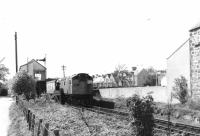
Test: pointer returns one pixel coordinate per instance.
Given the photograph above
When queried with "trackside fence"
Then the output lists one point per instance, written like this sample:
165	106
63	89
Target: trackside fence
37	126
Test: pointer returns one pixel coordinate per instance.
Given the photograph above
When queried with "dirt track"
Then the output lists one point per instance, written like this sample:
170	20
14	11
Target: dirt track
5	103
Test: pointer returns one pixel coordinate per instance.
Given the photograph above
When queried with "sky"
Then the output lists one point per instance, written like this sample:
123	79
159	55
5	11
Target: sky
94	36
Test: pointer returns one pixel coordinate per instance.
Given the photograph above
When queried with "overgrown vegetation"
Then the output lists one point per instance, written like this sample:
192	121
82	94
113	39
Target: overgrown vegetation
24	84
141	110
188	113
181	90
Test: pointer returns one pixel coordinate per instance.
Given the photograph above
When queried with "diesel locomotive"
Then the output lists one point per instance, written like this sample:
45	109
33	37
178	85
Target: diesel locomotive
76	89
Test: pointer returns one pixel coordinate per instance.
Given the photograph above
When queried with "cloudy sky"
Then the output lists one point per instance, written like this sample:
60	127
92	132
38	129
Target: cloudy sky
94	36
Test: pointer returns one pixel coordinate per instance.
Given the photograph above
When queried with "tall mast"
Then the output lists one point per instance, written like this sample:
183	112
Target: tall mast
63	68
16	57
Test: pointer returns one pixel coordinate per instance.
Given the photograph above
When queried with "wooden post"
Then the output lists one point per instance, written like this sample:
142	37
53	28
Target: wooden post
28	114
23	109
39	126
33	123
29	123
16	99
25	112
46	129
56	132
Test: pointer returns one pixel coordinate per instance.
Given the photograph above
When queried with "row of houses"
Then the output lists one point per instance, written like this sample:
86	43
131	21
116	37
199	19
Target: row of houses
108	80
104	81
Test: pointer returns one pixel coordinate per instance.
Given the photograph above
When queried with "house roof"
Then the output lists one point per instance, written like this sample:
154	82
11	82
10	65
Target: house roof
197	26
178	49
98	80
32	62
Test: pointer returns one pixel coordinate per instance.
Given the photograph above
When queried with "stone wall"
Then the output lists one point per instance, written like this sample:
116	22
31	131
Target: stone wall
159	93
194	42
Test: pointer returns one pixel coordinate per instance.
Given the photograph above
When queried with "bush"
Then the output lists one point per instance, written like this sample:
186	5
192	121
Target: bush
141	111
193	104
3	92
24	85
181	90
3	89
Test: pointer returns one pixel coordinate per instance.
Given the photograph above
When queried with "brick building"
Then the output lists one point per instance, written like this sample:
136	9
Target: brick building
35	69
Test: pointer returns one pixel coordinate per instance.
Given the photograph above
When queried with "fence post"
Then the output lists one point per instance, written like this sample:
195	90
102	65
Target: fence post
16	99
30	117
39	126
56	132
28	114
46	129
33	123
25	113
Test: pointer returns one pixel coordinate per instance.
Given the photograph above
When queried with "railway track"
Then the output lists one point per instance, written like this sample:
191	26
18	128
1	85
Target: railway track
161	124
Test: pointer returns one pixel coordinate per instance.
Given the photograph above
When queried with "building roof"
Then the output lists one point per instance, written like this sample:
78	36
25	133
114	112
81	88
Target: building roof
98	80
197	26
32	62
178	48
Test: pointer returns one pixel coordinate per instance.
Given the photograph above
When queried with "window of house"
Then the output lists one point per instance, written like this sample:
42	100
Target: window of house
38	76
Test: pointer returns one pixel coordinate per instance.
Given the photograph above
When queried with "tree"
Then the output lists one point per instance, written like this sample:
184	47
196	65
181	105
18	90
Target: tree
3	86
24	84
180	89
3	89
122	75
147	77
3	72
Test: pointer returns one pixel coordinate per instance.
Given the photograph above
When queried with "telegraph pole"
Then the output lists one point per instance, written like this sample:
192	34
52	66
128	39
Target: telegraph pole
45	64
16	57
63	68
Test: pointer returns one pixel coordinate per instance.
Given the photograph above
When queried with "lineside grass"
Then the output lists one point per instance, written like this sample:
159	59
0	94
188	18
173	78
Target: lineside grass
74	122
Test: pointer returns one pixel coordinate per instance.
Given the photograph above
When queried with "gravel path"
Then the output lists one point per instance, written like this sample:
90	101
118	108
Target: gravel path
5	103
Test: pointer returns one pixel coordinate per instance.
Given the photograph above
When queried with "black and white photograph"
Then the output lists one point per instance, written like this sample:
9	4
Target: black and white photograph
99	68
